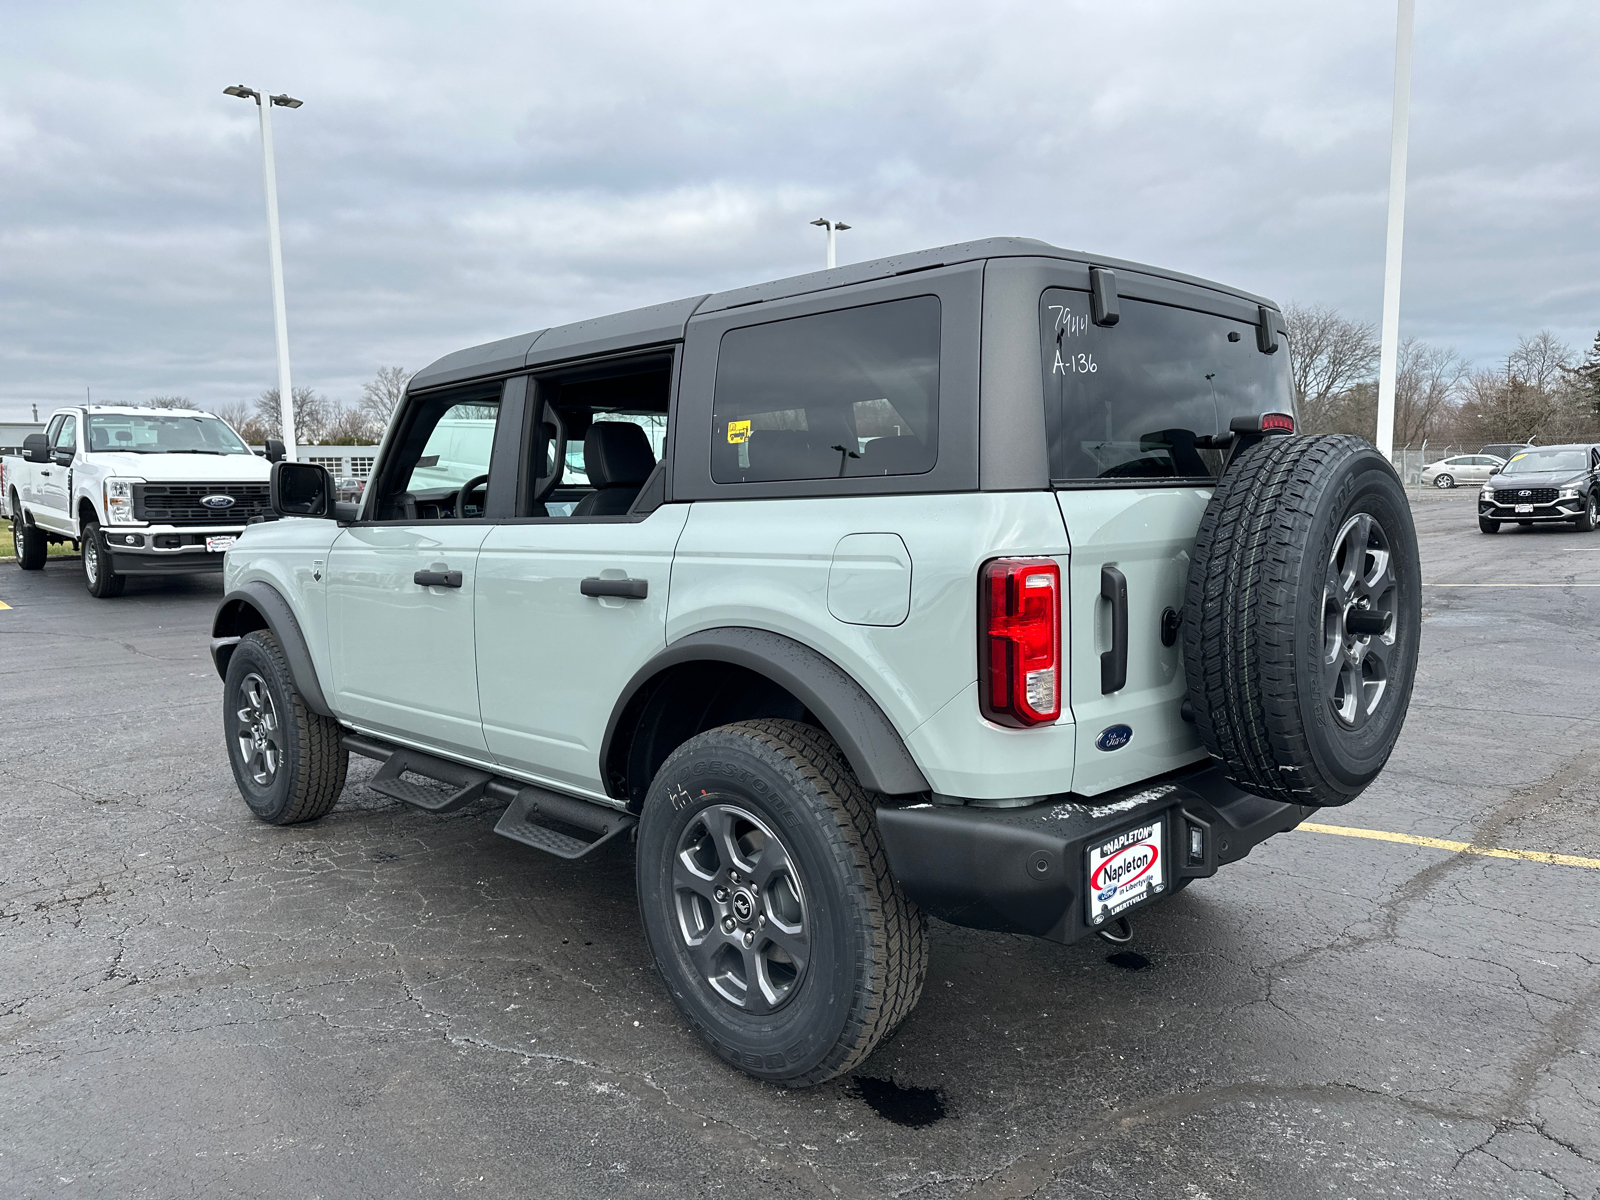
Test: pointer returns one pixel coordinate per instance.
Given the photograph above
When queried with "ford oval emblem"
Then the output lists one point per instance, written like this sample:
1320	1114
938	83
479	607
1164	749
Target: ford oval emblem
1114	738
218	502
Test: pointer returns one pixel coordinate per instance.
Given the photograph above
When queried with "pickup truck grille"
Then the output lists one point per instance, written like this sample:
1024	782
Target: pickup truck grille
179	503
1521	496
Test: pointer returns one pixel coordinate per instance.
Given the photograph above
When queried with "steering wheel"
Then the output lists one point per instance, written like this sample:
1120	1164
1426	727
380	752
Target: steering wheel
467	489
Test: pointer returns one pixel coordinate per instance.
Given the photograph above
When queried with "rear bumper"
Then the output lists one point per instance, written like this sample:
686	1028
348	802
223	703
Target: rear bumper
1022	870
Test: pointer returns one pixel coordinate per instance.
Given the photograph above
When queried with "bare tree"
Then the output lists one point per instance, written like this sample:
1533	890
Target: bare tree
312	413
381	396
1427	385
168	402
1541	362
1331	354
351	427
242	416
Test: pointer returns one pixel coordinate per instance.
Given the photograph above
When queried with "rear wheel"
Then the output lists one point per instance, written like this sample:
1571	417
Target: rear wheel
769	906
286	759
1305	589
28	543
97	574
1444	481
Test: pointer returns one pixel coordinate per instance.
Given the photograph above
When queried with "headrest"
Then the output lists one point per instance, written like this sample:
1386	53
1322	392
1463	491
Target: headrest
617	454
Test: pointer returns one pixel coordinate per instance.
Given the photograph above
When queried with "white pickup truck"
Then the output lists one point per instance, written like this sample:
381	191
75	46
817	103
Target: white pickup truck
142	491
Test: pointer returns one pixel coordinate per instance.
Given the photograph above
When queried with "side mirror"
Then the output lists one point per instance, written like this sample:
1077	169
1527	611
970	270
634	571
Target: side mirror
63	457
301	490
274	450
35	448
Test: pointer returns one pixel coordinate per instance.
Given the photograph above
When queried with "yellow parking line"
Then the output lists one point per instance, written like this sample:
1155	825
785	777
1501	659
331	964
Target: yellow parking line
4	607
1383	835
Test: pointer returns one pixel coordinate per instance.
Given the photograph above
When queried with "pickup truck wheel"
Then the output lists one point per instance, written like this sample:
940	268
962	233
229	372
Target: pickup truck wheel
1305	592
769	906
97	571
28	543
286	759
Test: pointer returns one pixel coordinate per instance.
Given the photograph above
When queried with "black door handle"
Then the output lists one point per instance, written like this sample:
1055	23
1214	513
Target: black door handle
437	579
1114	662
626	589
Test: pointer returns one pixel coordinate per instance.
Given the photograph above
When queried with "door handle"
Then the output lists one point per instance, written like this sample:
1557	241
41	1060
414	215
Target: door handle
1114	662
437	579
625	589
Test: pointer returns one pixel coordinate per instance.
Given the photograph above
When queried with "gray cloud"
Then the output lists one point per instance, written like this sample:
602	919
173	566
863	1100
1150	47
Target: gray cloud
462	173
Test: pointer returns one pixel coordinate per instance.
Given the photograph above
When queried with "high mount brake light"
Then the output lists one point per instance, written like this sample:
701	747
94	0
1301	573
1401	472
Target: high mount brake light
1019	641
1277	423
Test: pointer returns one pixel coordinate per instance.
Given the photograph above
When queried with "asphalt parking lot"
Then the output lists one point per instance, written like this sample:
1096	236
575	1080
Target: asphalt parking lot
389	1003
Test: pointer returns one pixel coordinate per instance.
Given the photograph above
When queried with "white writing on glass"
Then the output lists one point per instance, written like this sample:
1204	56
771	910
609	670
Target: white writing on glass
1076	364
1068	323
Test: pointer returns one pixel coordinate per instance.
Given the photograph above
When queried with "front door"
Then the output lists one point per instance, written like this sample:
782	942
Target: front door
54	501
402	582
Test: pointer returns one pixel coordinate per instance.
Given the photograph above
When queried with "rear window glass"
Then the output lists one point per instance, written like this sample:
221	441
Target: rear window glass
1128	401
840	394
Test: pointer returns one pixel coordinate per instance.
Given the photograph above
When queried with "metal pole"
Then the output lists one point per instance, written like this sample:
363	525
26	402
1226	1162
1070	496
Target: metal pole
832	255
280	316
1389	359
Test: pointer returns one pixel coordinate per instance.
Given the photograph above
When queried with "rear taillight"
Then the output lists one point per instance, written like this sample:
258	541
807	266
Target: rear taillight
1019	641
1277	423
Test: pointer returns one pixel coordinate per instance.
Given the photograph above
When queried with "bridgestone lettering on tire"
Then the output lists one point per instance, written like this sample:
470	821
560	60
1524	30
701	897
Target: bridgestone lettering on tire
768	903
286	759
1301	618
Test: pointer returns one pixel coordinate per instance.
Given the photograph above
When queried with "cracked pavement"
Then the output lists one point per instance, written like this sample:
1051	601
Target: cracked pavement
389	1003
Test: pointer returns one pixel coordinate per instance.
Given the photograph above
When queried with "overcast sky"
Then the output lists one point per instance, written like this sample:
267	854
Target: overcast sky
466	171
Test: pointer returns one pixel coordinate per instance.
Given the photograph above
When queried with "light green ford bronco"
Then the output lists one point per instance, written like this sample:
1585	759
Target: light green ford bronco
990	582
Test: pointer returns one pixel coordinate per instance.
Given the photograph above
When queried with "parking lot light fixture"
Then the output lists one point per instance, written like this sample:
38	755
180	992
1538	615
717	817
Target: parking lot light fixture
275	254
833	227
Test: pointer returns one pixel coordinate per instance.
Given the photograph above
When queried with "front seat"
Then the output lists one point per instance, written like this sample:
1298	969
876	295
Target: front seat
618	459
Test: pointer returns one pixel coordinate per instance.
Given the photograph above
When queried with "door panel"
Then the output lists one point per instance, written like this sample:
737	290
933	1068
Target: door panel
552	661
55	481
402	654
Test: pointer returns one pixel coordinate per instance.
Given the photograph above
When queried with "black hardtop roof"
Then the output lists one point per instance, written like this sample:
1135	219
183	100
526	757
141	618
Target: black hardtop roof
662	323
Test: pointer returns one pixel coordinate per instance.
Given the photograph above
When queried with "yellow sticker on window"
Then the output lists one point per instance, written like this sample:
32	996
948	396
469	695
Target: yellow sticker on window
738	431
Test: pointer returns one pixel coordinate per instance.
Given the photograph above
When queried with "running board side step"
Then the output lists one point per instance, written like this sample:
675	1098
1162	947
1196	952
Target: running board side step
535	816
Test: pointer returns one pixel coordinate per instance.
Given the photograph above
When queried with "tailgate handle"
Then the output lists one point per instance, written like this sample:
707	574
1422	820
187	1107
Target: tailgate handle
1114	662
437	579
626	589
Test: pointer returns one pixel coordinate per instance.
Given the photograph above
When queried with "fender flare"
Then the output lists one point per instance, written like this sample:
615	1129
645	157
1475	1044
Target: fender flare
870	742
232	622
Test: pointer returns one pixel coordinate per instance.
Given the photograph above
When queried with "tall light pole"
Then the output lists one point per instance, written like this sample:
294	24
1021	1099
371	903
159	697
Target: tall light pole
280	316
1389	356
832	227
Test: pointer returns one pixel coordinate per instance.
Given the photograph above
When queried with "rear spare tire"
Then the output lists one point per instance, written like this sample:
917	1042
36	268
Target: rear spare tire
1302	618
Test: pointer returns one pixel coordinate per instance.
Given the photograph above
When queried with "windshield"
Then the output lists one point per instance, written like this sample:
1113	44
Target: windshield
1535	461
137	433
1127	401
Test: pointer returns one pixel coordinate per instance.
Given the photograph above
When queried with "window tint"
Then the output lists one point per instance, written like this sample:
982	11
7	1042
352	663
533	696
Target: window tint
1128	401
848	393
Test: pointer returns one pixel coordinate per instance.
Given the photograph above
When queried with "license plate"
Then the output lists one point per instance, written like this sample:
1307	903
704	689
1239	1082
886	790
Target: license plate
1527	508
1125	870
216	545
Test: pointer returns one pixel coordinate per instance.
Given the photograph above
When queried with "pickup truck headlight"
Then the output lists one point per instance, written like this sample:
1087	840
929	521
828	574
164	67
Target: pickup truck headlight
119	501
1567	494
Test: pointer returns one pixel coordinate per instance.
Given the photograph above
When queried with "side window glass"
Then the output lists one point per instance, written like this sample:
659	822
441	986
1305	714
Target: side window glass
67	436
446	444
840	394
457	448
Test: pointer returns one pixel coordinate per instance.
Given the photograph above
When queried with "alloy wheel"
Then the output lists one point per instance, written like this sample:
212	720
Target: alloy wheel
1359	617
741	908
260	741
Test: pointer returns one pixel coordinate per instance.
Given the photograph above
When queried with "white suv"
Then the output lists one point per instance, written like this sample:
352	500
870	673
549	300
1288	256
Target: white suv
987	582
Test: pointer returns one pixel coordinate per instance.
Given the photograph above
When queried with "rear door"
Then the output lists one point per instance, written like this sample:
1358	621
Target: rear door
401	584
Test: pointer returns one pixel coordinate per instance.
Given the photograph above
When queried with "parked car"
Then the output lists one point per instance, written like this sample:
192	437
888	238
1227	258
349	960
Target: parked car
1544	484
989	581
141	491
1461	468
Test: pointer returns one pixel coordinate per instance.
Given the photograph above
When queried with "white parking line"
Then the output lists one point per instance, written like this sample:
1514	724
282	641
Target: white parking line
1511	585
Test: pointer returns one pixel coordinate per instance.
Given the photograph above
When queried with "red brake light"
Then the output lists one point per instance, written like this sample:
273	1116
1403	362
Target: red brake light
1277	423
1019	641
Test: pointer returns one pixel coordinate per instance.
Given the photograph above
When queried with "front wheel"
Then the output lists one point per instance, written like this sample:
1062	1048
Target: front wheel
769	906
1444	481
1487	526
1591	514
102	582
286	759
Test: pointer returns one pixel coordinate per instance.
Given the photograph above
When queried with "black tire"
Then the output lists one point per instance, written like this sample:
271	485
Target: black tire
97	573
28	542
1444	481
286	759
1487	526
1591	514
1307	543
861	946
